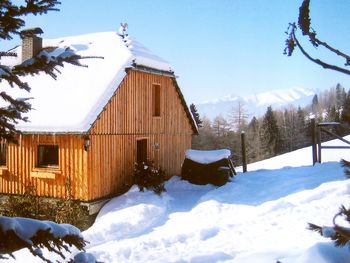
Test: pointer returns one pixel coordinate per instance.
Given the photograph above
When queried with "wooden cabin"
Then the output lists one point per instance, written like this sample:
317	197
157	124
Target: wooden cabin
90	126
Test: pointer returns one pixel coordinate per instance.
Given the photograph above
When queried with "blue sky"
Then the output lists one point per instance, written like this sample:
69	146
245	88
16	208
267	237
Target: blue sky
216	47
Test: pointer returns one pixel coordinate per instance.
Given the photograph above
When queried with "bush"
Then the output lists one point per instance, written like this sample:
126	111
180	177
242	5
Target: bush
146	175
30	205
69	211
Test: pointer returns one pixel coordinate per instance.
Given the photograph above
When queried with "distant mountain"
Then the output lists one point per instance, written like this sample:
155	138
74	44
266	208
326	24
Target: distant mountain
256	105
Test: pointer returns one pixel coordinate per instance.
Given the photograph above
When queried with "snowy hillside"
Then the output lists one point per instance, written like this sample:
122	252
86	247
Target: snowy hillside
261	216
256	105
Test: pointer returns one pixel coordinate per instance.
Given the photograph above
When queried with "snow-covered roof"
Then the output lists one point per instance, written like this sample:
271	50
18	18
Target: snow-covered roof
73	101
205	157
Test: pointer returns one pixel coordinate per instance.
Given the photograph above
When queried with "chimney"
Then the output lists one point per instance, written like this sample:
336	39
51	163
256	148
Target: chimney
31	43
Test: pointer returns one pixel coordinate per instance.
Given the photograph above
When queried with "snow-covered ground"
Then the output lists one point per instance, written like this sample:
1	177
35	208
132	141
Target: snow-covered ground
261	216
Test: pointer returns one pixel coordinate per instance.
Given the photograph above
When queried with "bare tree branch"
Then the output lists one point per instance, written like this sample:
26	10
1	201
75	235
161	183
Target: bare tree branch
304	23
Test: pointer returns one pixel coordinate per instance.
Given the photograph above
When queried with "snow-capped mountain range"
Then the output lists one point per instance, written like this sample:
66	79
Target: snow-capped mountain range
256	105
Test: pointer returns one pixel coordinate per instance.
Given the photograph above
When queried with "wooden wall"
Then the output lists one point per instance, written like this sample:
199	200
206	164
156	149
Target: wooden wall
106	168
21	171
129	117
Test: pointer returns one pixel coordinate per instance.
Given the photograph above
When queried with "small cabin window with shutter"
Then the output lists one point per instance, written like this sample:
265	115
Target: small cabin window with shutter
3	151
156	100
47	156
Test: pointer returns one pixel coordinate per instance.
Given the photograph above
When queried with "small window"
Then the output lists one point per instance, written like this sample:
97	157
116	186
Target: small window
156	100
47	156
3	151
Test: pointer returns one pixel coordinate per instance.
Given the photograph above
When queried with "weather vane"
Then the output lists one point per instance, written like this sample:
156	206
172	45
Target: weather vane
122	29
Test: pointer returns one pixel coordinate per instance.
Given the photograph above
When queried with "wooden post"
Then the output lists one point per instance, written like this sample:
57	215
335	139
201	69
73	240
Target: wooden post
244	157
319	143
313	141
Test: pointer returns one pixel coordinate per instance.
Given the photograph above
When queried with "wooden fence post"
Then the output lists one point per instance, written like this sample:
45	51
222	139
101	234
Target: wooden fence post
313	141
244	157
319	144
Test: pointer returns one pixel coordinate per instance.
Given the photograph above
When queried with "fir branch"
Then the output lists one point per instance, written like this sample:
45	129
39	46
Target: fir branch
10	23
346	165
314	228
7	54
43	62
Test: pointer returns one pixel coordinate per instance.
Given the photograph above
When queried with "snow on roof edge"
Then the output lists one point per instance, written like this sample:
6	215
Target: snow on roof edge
90	119
139	56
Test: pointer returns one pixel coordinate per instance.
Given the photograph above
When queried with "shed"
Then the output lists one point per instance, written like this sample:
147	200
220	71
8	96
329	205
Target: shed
93	123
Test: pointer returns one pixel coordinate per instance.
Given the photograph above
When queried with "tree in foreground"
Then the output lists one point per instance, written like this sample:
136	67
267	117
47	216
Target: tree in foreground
12	110
304	25
339	233
18	233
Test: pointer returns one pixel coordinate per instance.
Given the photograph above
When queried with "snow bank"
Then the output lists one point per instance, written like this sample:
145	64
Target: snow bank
127	216
261	216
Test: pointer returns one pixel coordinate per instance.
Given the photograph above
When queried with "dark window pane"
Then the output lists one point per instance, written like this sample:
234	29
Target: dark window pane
141	151
156	100
47	155
3	150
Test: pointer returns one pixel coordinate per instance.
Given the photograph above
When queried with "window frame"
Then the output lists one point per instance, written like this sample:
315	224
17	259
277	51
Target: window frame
46	164
156	100
3	145
141	149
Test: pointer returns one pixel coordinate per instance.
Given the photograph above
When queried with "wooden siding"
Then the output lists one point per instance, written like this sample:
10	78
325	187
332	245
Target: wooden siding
21	171
129	117
106	168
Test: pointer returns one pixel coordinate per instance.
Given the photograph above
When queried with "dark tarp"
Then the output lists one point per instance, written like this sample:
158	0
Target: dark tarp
216	173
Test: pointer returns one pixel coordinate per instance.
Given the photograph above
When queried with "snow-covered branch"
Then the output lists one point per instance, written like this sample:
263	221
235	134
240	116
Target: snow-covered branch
18	233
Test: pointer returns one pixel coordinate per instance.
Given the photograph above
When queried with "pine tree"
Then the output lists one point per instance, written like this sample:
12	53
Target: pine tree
332	114
11	23
253	140
345	116
13	110
270	135
195	115
302	129
315	105
340	95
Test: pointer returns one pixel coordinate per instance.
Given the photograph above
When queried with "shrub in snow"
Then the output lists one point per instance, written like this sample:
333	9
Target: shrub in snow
18	233
60	211
29	205
146	175
71	211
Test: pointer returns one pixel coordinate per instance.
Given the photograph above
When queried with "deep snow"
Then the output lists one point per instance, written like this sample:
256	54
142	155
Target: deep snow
261	216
